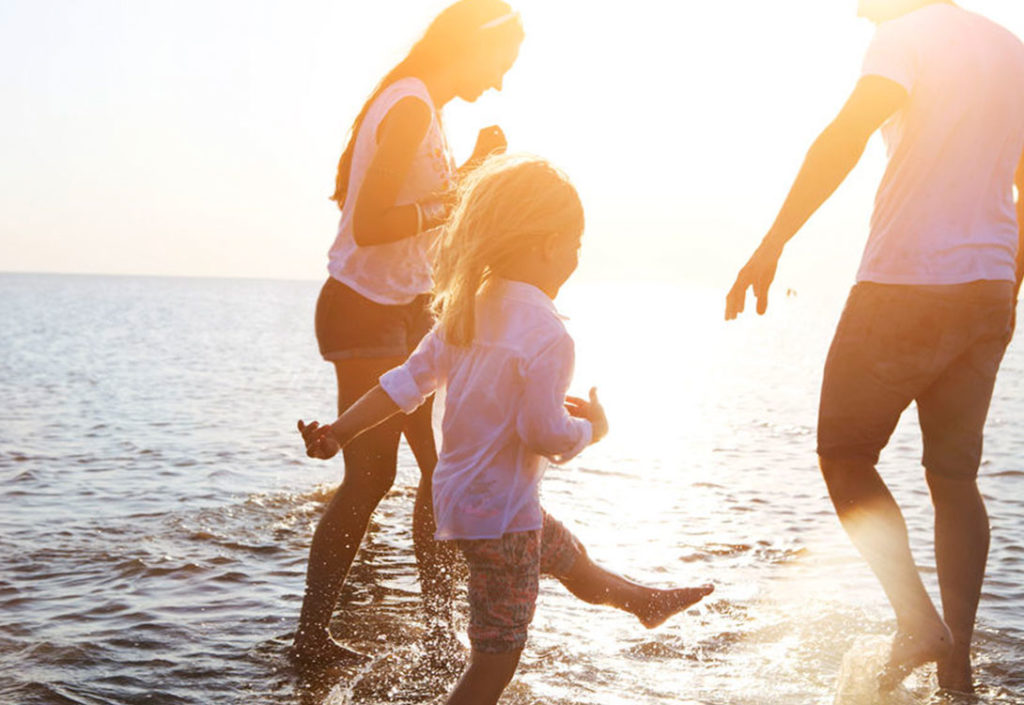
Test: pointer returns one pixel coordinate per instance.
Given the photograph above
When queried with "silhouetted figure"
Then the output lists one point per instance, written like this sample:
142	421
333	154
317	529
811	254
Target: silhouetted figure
933	308
393	186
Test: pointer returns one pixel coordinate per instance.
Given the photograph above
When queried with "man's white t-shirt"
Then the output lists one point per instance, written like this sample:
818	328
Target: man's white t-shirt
945	213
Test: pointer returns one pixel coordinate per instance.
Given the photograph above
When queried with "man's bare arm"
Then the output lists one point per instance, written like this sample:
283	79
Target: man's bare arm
836	152
829	161
1019	182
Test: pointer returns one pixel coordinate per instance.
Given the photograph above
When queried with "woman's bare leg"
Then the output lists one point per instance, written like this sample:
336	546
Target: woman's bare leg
435	559
370	465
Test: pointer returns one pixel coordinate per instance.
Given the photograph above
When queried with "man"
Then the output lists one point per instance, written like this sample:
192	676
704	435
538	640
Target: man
933	309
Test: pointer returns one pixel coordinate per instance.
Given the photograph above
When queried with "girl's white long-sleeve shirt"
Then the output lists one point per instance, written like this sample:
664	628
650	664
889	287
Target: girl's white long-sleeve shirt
504	412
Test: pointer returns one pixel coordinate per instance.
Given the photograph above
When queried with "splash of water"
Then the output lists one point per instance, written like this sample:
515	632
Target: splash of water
858	679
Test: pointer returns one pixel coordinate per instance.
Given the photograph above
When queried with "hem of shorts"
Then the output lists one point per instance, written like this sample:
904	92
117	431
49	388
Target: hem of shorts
952	475
439	536
503	650
848	454
956	280
360	353
373	296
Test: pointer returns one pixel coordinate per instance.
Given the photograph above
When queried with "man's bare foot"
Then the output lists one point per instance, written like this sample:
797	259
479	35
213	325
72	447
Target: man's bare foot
658	605
322	651
913	649
955	672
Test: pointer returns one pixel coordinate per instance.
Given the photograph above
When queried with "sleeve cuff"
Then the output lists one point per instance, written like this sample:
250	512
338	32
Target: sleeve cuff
401	387
895	76
586	431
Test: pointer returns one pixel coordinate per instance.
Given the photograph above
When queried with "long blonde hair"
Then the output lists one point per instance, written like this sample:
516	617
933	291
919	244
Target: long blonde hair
452	38
506	206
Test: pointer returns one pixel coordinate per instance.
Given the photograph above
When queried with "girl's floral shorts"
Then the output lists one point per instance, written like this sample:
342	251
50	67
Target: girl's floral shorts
504	579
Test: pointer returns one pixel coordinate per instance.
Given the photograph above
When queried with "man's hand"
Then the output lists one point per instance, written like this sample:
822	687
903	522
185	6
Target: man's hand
590	410
319	441
758	274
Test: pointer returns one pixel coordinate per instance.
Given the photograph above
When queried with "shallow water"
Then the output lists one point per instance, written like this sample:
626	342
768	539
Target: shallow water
157	507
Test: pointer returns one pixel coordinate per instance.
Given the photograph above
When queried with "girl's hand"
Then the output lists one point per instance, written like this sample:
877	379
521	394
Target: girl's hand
590	410
319	441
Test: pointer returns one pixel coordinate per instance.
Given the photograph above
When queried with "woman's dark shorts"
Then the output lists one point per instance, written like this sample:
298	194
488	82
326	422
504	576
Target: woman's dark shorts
349	325
940	346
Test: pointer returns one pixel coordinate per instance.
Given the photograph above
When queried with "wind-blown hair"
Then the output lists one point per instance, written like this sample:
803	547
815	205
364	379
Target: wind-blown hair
452	38
509	204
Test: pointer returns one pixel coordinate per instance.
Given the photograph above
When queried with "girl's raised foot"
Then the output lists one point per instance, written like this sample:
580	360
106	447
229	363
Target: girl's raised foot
659	605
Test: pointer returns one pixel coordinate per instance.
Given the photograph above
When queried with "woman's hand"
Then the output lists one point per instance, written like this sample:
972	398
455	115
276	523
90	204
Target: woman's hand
320	443
590	410
490	140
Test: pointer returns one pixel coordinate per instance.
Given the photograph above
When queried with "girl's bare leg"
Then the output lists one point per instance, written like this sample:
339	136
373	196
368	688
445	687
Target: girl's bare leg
652	606
485	679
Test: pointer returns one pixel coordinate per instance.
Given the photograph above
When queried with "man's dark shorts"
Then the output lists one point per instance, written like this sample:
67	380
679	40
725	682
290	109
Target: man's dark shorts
349	325
940	346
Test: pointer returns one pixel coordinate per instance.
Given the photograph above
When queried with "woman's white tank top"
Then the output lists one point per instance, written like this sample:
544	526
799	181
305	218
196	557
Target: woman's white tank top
393	273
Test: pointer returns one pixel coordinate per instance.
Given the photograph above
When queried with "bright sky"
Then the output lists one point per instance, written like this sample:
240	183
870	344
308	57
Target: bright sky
199	137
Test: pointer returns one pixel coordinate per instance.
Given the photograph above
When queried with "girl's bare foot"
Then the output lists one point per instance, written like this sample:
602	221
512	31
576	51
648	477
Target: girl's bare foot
658	605
911	649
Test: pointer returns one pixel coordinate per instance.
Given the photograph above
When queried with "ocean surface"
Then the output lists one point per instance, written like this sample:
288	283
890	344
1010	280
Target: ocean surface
156	508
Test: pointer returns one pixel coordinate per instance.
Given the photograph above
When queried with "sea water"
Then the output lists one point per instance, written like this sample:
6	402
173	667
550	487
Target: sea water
157	508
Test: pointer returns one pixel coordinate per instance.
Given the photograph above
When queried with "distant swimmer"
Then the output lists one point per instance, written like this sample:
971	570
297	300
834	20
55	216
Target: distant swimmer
505	360
934	305
393	184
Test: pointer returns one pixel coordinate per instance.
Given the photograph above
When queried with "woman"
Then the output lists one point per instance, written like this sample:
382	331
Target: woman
374	307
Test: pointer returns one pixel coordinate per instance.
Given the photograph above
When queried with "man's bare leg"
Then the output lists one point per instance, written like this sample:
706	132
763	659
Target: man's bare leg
961	552
875	524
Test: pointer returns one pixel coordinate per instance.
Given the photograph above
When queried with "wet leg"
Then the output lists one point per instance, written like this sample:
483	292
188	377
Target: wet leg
435	559
370	463
961	552
876	526
485	679
652	606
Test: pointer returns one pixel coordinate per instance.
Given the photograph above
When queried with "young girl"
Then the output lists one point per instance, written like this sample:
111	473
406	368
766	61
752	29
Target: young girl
504	357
